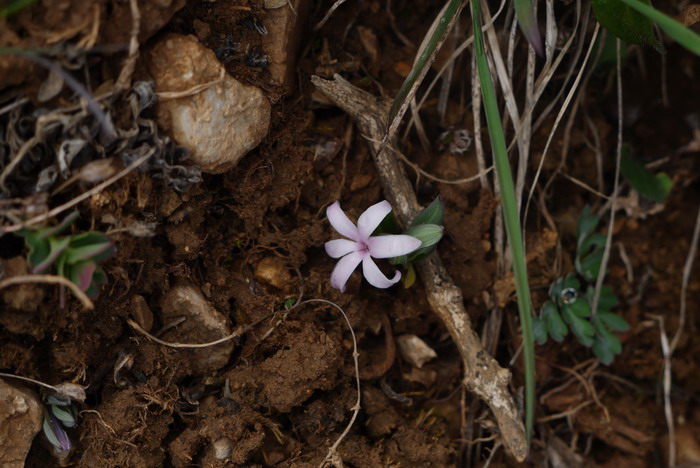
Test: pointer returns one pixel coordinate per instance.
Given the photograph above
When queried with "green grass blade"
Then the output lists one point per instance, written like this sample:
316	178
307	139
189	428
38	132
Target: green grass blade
684	36
510	214
528	24
420	69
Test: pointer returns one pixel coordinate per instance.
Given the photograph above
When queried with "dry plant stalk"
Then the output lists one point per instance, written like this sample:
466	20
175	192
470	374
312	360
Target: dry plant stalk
483	375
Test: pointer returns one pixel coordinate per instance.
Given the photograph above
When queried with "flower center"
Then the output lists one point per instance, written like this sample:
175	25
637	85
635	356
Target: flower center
362	247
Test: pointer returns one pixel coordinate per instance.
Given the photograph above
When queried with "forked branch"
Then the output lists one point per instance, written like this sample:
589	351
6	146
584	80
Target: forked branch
483	375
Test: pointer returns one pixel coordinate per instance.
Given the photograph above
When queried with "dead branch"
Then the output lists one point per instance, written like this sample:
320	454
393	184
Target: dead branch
483	375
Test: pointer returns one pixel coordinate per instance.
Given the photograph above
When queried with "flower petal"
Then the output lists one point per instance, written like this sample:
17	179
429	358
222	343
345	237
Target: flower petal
344	268
339	247
392	245
375	277
370	219
341	222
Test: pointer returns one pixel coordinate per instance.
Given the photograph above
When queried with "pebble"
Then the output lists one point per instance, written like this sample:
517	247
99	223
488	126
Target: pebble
414	350
20	420
218	120
203	323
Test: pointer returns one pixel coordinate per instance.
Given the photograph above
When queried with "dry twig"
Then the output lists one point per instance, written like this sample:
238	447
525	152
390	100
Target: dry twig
483	375
53	279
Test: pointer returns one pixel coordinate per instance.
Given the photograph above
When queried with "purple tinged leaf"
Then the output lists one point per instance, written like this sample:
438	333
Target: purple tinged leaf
340	222
57	247
84	275
392	245
374	275
528	25
55	433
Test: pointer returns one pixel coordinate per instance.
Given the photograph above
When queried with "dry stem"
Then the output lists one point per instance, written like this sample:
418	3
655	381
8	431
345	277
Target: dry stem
483	375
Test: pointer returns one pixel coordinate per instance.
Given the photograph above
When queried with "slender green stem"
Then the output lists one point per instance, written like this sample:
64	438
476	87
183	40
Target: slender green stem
510	214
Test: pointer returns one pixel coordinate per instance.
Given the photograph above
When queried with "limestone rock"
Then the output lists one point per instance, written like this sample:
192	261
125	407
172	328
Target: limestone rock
203	324
415	350
20	420
218	120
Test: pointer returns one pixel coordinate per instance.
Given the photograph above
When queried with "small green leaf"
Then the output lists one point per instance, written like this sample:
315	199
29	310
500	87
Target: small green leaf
428	234
684	36
539	330
90	245
433	214
607	299
580	308
655	187
56	248
389	225
587	222
580	327
589	266
626	23
606	346
613	321
555	325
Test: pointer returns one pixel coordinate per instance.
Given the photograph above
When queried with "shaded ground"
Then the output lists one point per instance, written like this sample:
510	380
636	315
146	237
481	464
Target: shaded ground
252	238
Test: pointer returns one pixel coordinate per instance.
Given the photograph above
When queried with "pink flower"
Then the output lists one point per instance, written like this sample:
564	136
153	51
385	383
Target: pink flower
363	246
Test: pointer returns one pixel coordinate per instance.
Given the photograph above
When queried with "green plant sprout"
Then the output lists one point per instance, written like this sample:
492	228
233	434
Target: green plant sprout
75	257
59	413
569	304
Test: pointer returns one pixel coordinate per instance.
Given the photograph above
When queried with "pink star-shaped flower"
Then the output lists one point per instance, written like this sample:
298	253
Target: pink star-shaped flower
363	247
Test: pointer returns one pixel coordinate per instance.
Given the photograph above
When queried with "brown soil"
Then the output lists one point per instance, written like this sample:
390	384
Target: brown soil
253	238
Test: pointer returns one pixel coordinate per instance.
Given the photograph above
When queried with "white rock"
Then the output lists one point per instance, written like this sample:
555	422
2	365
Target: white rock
414	350
20	420
220	122
203	323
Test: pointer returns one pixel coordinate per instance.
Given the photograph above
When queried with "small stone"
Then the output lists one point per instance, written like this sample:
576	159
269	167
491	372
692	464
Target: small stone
285	25
203	323
222	448
20	420
414	350
272	271
25	297
219	123
141	312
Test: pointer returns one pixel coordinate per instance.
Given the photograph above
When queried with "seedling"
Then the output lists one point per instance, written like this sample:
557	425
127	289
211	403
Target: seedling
74	257
571	298
59	414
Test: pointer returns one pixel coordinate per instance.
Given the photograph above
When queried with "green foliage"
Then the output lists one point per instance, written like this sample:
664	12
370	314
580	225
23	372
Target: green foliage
684	36
626	23
567	308
511	215
426	227
655	187
74	257
14	7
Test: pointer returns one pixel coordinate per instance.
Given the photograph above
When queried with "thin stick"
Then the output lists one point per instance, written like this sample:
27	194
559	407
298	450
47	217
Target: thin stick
96	189
124	80
51	279
668	349
483	375
333	457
